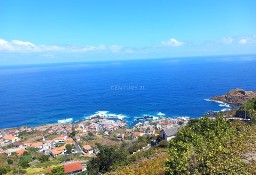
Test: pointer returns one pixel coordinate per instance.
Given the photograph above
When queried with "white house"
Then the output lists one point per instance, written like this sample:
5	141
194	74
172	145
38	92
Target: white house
61	139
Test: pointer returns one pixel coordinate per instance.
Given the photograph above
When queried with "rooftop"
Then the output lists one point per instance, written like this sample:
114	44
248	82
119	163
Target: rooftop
73	167
9	137
171	131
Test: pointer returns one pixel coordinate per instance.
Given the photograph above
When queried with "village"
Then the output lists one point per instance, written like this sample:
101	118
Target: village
80	139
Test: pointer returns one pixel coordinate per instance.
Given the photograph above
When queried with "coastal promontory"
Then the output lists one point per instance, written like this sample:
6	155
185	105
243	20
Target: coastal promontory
235	97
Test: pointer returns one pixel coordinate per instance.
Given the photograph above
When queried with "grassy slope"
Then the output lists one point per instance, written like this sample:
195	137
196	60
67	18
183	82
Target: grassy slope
152	165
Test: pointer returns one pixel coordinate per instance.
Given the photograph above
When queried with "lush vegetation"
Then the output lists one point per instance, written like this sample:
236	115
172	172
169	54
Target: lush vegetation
250	108
113	158
59	170
207	146
149	162
139	143
106	158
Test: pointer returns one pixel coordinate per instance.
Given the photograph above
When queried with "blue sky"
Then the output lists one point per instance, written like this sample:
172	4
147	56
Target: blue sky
47	31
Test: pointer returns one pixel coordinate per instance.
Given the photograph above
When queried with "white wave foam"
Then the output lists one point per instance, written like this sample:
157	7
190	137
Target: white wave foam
160	114
155	118
67	120
121	117
216	101
221	104
224	105
225	109
184	117
106	114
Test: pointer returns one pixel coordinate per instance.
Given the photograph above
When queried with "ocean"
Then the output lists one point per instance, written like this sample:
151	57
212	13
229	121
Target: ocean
33	95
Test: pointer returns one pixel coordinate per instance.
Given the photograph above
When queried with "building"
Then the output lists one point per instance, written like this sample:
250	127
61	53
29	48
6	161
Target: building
10	138
61	139
87	149
38	145
73	168
168	133
57	151
137	134
20	152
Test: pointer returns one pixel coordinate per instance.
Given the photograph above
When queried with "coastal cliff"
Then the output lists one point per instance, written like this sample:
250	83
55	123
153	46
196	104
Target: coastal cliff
235	97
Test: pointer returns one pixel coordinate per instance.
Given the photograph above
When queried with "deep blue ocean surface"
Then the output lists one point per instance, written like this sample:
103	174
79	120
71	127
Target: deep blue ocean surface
39	94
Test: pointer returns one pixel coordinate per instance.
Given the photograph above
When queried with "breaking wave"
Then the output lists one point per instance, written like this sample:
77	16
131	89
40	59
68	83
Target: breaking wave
67	120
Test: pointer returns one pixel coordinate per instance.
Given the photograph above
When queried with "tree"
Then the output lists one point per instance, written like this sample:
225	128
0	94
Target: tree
73	134
207	146
69	148
58	170
250	108
44	158
9	161
107	158
3	170
90	134
163	144
25	159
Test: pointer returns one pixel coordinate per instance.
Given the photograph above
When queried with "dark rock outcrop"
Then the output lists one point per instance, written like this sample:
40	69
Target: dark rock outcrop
235	97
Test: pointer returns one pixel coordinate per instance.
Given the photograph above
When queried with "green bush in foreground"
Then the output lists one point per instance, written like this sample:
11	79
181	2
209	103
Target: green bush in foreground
207	146
107	157
59	170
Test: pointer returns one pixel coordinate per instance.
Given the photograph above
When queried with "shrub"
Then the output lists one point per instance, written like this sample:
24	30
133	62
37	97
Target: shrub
9	161
163	144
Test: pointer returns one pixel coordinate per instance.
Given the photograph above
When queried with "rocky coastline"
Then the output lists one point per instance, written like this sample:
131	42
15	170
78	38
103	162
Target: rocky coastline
235	97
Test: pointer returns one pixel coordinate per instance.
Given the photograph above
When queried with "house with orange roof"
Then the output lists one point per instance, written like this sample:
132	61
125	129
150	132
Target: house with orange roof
10	138
17	144
38	145
87	149
21	151
73	168
137	134
58	150
55	152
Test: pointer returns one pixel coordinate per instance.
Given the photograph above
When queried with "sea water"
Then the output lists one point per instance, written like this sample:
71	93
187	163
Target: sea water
39	94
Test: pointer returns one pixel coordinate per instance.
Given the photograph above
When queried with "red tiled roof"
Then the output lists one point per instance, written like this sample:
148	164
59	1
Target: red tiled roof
9	137
87	147
58	150
20	152
72	167
37	144
137	134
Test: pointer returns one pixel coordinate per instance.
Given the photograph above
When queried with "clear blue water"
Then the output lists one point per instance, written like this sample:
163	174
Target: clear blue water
39	94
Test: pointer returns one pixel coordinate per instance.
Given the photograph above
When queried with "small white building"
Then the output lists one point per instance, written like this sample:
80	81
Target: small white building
61	139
